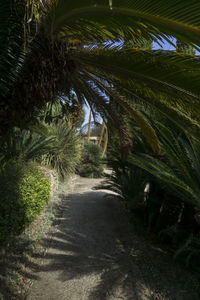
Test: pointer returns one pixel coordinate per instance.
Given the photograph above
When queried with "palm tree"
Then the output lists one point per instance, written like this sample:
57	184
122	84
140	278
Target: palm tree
105	143
89	125
67	52
178	167
101	133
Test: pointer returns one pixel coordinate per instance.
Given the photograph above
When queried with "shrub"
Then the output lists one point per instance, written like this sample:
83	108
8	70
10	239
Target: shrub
24	192
65	154
57	145
91	164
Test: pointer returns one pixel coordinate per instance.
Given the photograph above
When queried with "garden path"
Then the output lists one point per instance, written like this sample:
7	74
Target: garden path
93	253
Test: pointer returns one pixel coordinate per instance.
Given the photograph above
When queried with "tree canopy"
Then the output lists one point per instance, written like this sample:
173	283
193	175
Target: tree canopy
56	48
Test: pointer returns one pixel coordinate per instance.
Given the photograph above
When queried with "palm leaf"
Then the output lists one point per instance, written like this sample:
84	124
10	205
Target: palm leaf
163	173
11	43
141	121
181	167
170	17
174	71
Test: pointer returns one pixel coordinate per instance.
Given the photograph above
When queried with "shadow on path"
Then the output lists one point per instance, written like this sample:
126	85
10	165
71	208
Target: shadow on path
93	241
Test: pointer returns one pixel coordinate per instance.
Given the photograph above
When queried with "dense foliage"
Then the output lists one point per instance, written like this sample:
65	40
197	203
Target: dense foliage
24	192
162	191
91	163
54	49
24	189
55	143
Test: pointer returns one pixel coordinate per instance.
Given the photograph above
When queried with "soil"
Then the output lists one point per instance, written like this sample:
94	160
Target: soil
94	253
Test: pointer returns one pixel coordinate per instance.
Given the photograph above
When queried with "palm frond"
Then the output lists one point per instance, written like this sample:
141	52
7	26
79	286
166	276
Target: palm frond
175	18
176	71
140	119
179	167
11	43
25	145
66	148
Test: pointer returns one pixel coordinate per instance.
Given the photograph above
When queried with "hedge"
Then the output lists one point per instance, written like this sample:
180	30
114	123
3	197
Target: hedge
24	190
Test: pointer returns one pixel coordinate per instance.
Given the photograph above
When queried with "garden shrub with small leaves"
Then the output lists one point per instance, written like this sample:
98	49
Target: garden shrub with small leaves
24	192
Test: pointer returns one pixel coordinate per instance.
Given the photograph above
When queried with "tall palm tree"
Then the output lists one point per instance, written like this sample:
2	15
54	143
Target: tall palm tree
89	125
68	51
101	133
105	143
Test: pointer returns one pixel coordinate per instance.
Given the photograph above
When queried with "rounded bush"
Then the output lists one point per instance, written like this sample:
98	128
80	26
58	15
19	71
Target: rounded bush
24	190
91	164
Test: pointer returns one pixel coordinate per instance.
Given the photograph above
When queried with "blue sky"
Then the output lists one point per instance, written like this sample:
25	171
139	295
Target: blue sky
166	46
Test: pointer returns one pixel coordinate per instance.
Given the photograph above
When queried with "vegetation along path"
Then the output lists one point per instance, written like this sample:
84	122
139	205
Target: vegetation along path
94	253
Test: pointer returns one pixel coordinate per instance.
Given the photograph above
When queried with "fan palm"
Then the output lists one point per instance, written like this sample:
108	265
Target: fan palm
69	51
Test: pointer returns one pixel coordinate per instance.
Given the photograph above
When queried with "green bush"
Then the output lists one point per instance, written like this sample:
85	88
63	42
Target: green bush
91	163
24	191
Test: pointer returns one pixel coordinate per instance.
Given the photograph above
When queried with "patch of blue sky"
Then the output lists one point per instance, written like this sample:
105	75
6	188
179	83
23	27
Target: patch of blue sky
166	46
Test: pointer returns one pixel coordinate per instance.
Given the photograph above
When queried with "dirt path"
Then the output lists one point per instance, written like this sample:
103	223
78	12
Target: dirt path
93	253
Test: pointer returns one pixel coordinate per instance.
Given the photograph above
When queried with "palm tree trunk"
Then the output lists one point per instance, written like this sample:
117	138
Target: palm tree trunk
89	125
105	143
101	134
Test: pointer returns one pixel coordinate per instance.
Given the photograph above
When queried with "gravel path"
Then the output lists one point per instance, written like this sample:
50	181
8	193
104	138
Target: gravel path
94	254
